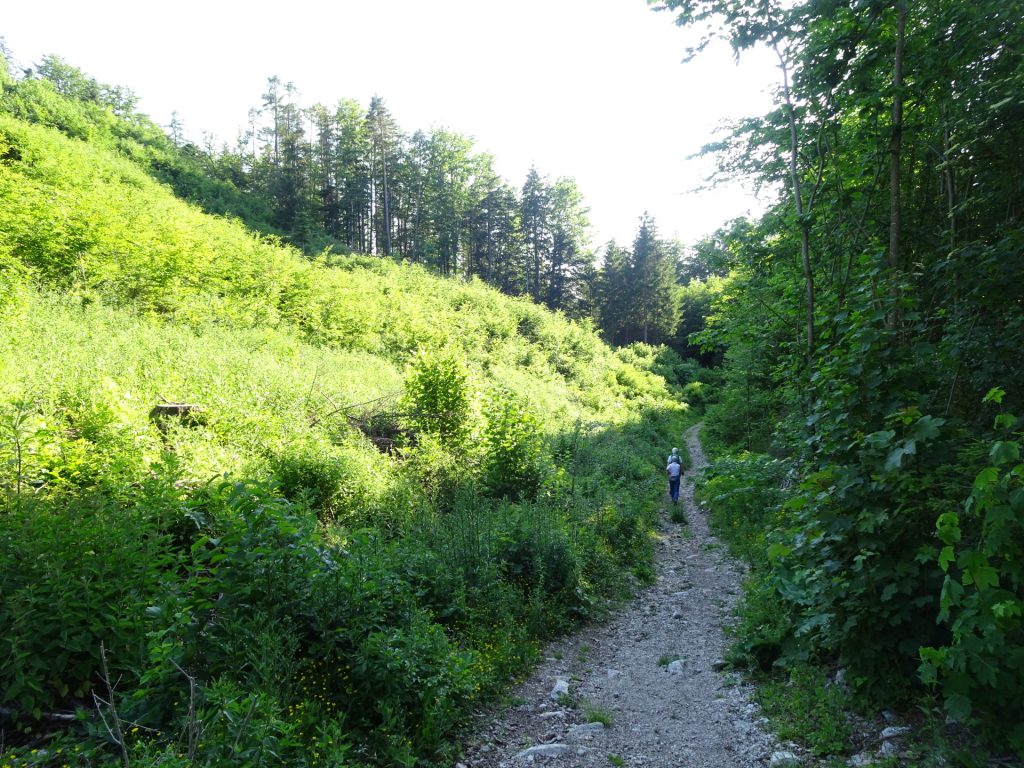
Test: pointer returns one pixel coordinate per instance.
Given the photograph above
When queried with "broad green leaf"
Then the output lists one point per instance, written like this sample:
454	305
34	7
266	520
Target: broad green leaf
995	395
959	707
946	556
895	458
927	427
1006	609
1003	452
1005	421
983	577
986	478
948	527
952	592
880	439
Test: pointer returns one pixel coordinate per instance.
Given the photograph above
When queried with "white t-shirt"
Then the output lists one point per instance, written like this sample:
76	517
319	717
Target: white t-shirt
674	469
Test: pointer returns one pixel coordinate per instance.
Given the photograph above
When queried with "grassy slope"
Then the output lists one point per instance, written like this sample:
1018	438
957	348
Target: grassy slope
115	295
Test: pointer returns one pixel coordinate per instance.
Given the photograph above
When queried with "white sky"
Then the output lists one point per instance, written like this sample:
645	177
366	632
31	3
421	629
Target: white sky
593	89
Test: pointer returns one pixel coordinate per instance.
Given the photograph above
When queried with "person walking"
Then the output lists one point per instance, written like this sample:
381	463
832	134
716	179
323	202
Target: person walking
675	474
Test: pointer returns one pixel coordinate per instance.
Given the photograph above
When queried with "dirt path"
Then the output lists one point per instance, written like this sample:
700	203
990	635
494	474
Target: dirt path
650	672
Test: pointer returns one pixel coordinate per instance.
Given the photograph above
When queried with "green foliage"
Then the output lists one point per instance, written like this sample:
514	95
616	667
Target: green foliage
637	289
77	575
512	448
341	590
240	618
745	500
864	316
981	667
595	714
808	708
695	300
437	398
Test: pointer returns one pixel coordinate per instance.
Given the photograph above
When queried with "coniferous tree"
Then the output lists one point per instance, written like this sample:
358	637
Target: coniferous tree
616	294
654	278
494	235
351	158
569	251
384	143
535	208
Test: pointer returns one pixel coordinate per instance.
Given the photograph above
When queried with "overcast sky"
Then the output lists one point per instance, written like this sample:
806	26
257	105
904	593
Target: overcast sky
593	89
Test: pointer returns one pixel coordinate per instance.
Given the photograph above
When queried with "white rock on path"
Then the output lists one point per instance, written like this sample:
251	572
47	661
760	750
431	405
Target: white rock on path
675	668
587	729
545	750
784	760
561	689
548	715
895	730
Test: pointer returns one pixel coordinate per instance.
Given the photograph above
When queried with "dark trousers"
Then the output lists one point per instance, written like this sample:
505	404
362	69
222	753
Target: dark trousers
673	488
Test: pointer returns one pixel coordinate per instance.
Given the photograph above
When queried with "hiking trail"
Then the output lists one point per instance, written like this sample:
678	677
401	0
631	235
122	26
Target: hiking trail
652	672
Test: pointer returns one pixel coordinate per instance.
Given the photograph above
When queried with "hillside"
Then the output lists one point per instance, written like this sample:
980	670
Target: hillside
255	504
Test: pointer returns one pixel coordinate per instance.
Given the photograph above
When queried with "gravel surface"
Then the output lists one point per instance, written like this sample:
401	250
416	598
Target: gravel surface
651	673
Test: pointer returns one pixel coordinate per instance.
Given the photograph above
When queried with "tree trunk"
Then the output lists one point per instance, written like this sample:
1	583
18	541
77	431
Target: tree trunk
798	203
896	139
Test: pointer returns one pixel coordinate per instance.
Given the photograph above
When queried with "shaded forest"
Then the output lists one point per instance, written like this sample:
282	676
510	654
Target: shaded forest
868	415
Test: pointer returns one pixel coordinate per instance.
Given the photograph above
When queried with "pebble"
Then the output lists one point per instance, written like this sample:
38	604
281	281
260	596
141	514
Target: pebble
675	668
895	730
587	729
545	750
888	750
561	689
782	759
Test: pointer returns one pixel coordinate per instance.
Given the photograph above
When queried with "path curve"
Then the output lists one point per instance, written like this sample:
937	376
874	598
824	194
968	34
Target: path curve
663	715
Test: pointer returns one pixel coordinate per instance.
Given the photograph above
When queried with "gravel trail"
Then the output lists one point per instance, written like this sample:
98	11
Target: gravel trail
651	671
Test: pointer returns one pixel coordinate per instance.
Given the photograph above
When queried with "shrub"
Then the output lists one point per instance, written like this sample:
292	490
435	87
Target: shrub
981	669
744	495
512	448
437	397
73	578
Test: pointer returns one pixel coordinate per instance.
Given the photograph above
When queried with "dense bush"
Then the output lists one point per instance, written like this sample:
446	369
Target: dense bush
980	668
745	497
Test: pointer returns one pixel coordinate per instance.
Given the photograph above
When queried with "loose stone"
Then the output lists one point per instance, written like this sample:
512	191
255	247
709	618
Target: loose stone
895	730
545	750
587	729
561	689
782	759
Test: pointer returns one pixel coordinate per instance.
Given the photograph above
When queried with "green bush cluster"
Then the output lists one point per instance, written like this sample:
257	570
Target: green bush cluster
745	496
895	554
980	667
